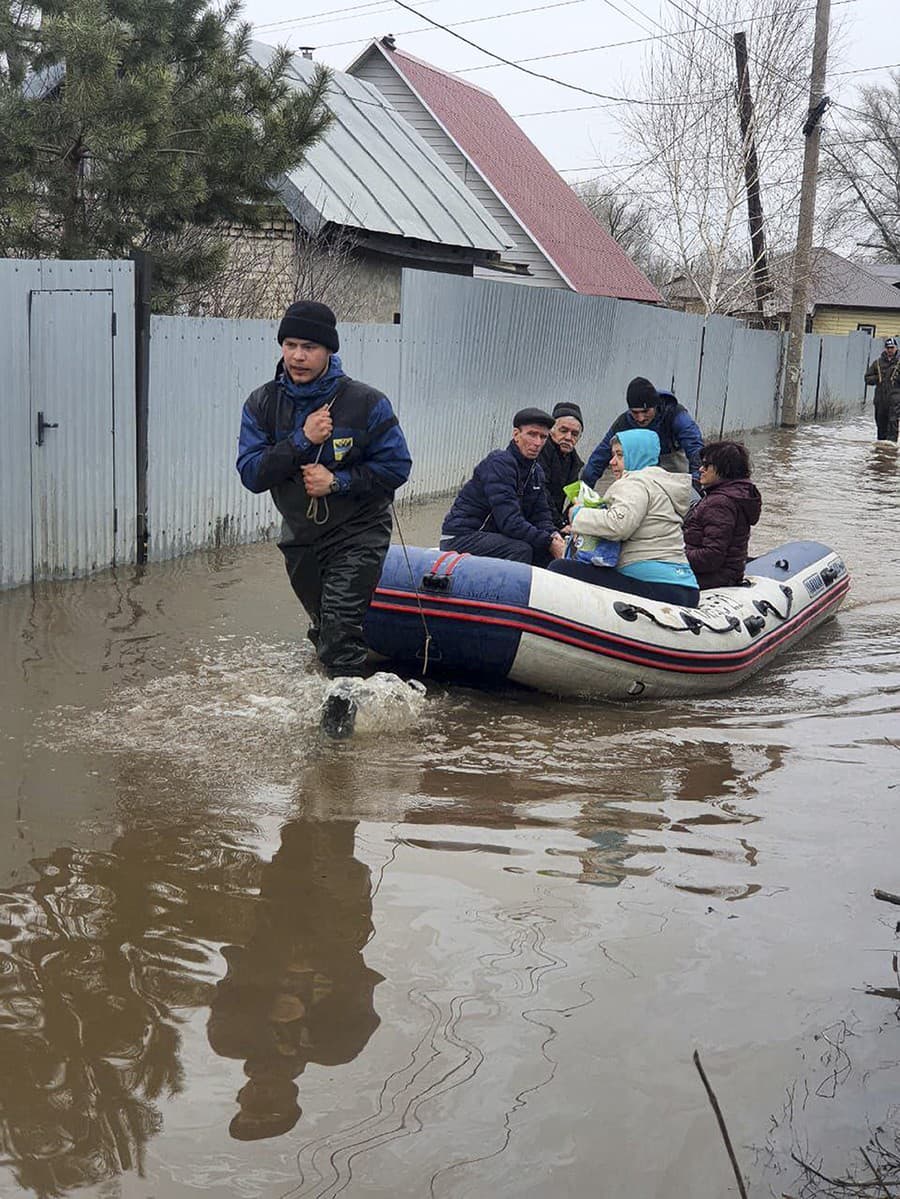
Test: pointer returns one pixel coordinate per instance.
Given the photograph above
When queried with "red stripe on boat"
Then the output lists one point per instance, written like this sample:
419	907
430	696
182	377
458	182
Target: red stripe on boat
752	652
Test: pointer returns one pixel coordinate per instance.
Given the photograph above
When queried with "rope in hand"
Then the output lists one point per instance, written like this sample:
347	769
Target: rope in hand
312	508
415	589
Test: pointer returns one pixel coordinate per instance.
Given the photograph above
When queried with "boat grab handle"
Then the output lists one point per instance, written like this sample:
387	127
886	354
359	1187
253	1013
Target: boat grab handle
691	622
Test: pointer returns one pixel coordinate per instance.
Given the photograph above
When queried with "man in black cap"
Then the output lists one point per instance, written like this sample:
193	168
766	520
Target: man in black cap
559	461
680	439
884	372
502	512
332	454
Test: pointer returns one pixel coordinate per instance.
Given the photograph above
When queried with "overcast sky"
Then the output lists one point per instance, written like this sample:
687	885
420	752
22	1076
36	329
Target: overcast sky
573	33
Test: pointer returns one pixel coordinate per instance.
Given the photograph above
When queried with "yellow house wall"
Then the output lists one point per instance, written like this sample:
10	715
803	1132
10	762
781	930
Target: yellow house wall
845	320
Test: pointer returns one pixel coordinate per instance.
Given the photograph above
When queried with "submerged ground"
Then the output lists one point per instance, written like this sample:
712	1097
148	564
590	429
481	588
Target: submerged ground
470	952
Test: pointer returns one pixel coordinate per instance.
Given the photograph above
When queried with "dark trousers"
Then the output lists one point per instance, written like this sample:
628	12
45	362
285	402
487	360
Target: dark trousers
334	580
606	576
495	545
887	417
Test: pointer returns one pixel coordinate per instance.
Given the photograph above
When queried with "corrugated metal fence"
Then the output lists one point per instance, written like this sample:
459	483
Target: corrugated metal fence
67	408
468	354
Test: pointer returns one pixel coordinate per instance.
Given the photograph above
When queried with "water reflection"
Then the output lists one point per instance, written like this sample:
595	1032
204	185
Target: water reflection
298	991
88	1041
105	954
638	803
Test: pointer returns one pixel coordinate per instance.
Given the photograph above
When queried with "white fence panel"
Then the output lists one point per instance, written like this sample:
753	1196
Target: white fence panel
754	374
17	281
842	385
201	371
78	546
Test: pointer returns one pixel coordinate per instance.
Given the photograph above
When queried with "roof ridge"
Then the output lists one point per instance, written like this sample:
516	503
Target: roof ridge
429	66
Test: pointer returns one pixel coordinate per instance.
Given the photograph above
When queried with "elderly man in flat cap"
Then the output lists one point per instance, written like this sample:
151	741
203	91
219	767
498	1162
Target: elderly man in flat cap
502	512
559	459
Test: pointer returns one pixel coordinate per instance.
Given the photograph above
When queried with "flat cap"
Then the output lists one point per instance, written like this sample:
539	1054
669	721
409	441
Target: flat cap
533	416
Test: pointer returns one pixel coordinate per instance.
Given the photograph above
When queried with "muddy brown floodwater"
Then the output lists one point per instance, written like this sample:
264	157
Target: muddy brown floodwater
471	951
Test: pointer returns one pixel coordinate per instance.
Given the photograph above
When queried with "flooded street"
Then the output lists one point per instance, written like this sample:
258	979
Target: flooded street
471	951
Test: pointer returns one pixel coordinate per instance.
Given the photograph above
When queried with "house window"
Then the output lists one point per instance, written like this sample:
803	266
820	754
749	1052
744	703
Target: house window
870	329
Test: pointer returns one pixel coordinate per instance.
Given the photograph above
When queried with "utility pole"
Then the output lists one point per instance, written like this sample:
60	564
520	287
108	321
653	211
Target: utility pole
762	286
818	102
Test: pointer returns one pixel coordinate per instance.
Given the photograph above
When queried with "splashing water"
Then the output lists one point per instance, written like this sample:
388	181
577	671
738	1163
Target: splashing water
247	710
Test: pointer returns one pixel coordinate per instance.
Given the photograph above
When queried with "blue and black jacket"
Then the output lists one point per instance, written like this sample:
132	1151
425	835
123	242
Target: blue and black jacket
505	495
673	424
367	453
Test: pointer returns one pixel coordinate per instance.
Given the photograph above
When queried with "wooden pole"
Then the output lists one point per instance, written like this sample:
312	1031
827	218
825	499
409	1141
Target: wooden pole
761	282
803	251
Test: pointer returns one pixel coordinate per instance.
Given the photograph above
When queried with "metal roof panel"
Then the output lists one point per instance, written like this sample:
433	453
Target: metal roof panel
373	171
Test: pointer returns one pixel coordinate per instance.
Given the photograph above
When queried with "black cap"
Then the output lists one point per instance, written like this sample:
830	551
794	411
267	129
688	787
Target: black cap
308	321
533	416
566	409
890	342
641	394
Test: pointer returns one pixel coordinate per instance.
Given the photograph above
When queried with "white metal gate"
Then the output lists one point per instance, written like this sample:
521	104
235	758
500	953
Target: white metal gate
73	507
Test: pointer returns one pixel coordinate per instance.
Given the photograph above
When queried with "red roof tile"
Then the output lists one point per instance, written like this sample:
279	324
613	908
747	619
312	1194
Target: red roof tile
542	202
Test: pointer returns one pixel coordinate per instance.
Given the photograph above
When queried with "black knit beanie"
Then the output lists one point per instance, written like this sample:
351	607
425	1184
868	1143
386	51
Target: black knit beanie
566	409
641	394
308	321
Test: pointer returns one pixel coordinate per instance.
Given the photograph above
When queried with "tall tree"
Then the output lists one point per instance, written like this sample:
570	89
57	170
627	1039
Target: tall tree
862	161
142	124
689	149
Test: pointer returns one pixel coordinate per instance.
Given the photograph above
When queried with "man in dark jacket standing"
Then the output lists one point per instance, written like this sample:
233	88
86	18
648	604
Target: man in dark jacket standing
679	434
332	454
884	372
558	459
502	512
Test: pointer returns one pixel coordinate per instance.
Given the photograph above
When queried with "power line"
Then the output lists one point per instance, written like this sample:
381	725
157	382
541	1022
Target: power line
546	112
315	18
637	41
777	153
355	41
538	74
516	12
885	66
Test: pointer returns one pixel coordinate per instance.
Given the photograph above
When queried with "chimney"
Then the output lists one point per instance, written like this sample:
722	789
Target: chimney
306	51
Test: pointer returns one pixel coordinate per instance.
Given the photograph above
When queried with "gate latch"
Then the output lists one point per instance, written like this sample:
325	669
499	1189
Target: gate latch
44	424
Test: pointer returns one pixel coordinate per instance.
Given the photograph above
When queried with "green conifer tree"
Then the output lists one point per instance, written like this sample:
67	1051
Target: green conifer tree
142	124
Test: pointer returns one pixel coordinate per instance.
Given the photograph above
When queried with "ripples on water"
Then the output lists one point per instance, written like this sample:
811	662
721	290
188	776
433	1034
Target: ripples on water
471	950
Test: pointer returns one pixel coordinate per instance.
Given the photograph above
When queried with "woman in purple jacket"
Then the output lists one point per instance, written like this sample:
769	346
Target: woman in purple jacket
717	530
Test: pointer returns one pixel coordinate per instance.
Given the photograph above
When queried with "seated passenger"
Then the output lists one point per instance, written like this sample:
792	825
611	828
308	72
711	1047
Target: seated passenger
645	507
680	439
559	461
502	512
717	530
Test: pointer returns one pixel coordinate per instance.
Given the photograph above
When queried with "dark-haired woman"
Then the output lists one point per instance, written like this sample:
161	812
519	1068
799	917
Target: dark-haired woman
717	530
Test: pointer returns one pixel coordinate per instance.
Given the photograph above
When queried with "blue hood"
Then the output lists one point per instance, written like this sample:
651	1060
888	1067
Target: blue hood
640	448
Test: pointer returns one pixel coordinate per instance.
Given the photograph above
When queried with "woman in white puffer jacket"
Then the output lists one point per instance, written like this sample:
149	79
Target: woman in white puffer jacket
645	510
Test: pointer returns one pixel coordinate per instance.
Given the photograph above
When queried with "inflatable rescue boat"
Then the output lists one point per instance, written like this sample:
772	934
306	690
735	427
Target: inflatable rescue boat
504	620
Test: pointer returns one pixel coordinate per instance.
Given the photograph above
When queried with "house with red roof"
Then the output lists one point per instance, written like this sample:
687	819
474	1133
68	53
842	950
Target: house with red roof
558	243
